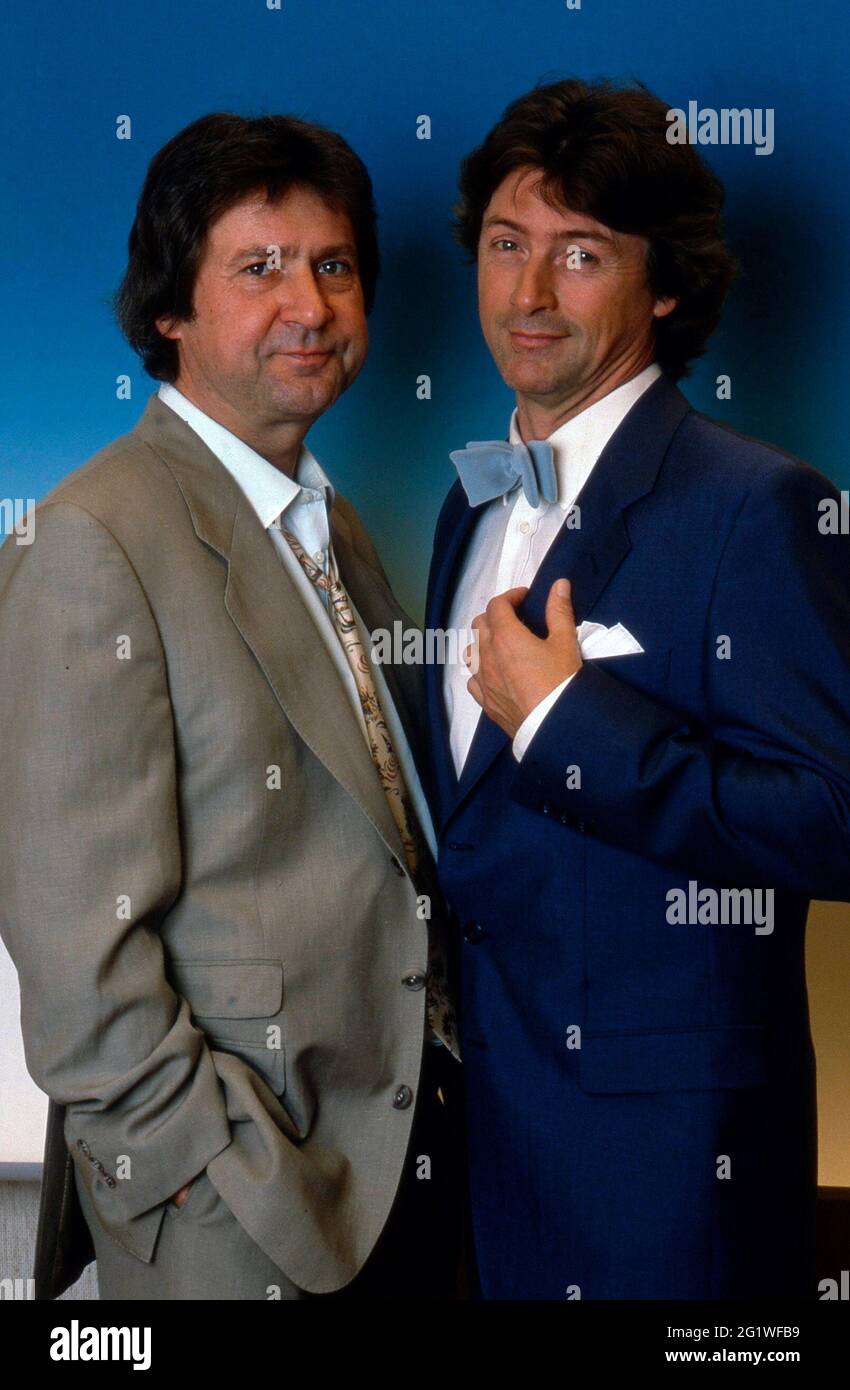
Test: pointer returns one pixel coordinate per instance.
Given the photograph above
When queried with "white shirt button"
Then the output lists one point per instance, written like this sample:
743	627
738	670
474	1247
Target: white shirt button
524	527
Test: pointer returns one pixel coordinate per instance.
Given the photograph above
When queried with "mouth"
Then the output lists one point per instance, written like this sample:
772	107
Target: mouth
535	340
311	355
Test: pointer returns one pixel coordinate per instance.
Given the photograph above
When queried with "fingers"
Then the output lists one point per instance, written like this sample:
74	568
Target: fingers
559	608
513	597
501	608
470	656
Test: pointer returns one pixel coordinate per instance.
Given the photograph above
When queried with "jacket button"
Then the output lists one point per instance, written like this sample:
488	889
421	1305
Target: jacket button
545	808
402	1098
397	867
414	980
473	931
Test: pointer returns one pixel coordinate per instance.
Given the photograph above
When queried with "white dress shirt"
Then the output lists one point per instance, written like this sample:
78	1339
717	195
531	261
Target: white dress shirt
306	501
509	543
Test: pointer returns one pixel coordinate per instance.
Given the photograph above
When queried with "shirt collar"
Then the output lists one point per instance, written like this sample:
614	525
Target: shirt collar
268	490
577	444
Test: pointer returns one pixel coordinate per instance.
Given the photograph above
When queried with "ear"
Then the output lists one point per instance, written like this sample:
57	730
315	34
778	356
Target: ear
167	327
662	307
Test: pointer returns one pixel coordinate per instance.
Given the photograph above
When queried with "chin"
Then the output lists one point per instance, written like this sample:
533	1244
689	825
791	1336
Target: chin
313	395
530	381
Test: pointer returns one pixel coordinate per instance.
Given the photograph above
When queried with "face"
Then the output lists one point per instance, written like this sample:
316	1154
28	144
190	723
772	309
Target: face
274	338
564	301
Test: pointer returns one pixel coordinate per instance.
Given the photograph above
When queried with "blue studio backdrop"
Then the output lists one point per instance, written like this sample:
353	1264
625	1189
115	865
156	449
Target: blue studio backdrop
370	69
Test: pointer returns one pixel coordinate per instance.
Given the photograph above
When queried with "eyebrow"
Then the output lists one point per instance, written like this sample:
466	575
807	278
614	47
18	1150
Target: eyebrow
585	234
261	252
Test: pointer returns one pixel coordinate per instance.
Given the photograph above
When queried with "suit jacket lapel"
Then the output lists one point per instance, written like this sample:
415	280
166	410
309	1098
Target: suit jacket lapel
264	603
590	555
459	522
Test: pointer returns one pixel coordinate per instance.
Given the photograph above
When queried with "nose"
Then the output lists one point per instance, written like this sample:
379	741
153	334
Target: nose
533	288
302	299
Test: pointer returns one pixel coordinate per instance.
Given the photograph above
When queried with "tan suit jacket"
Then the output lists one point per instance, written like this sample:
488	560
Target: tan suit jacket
170	910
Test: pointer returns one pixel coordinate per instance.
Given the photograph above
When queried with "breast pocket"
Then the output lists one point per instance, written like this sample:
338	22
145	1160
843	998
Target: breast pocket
238	1004
647	670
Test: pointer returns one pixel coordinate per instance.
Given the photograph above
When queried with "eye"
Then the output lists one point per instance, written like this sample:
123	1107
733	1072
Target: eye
256	265
584	257
345	267
504	241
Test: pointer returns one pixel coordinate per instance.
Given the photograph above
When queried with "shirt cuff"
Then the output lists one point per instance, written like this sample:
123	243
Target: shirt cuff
531	723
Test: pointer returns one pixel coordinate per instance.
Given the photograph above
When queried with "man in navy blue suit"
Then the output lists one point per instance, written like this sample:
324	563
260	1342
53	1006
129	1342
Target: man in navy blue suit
642	776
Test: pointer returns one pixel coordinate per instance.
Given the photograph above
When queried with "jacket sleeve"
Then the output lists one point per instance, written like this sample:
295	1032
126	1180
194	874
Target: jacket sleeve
758	790
90	862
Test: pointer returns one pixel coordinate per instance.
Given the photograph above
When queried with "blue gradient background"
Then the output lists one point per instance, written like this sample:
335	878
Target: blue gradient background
368	68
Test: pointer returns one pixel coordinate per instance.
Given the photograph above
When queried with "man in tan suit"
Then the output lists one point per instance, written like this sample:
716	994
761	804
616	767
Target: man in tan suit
215	878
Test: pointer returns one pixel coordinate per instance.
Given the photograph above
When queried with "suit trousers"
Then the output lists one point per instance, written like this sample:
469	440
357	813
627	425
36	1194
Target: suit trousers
203	1253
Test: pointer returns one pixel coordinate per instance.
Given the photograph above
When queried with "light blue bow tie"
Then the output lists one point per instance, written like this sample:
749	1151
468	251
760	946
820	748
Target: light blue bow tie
491	468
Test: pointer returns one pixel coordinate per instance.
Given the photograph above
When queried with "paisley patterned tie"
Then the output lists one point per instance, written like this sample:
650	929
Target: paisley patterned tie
439	1009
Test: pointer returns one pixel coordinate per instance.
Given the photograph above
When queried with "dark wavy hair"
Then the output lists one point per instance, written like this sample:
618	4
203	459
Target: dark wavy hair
603	151
204	170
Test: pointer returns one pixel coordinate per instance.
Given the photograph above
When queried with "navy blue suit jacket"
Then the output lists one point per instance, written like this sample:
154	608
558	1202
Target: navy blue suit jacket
672	1154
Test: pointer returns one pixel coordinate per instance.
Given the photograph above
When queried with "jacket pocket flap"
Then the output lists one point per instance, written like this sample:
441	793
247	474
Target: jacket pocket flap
645	668
230	988
701	1059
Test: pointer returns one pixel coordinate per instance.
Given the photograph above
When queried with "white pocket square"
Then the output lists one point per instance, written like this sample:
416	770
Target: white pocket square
595	640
